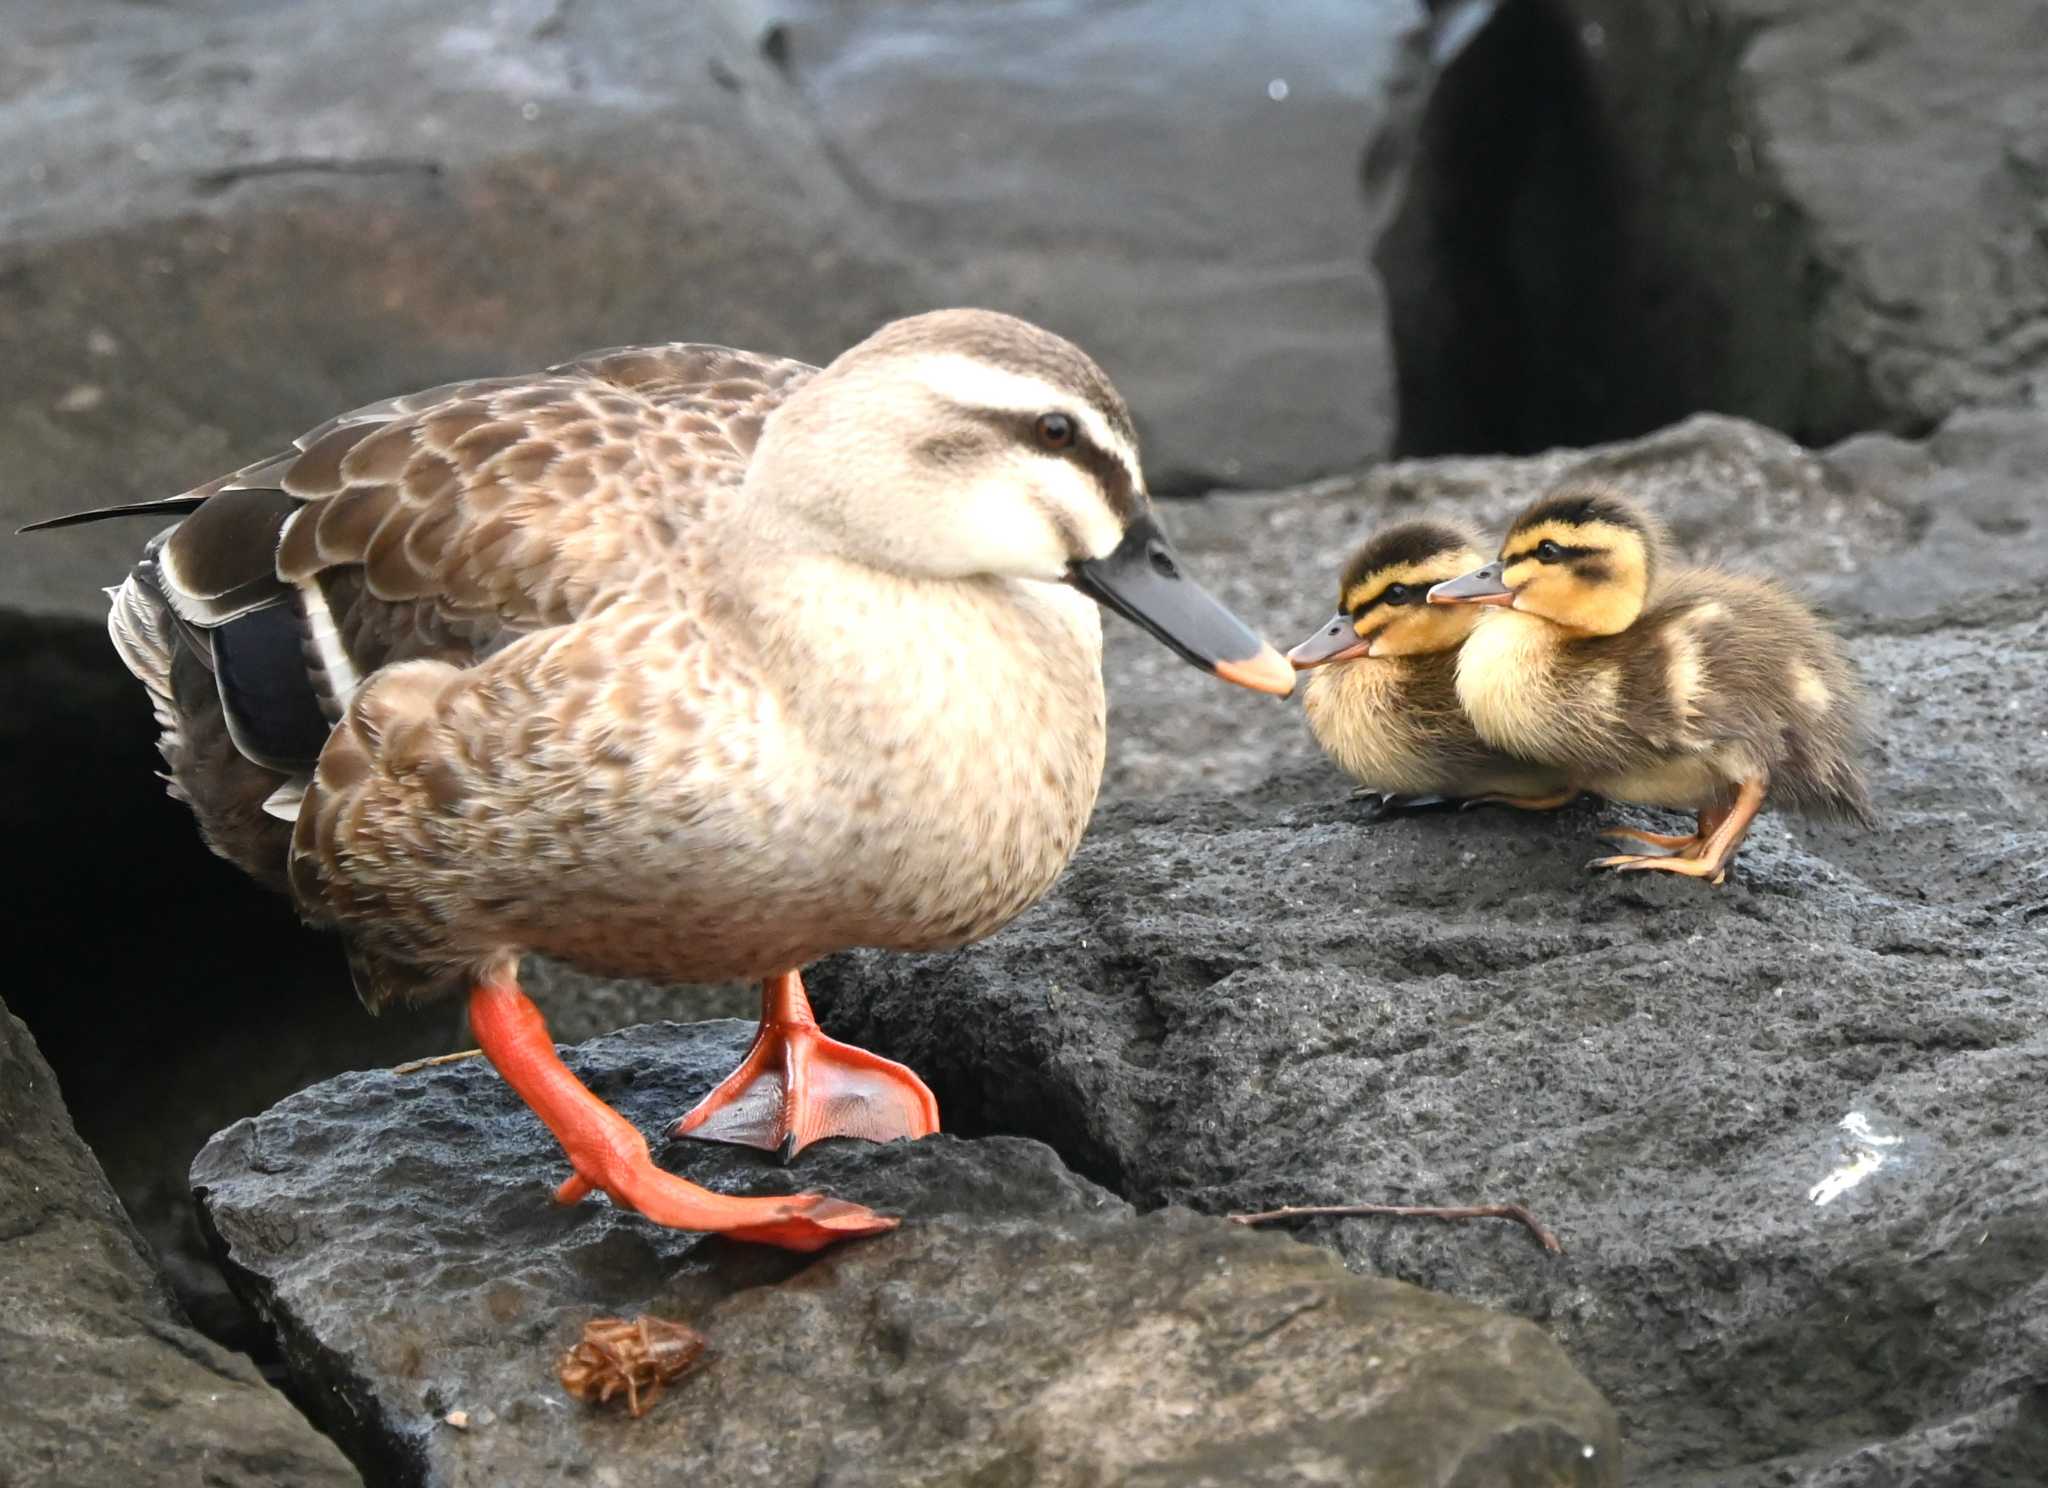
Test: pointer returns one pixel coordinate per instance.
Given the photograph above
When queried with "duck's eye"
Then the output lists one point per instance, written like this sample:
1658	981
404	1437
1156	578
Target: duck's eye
1548	551
1055	431
1396	594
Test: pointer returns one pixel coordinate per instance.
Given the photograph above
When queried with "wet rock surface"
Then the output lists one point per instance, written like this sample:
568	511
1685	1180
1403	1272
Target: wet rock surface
106	1383
1255	996
1022	1326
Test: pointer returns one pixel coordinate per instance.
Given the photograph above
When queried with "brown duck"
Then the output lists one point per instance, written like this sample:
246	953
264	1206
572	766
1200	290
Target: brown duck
676	662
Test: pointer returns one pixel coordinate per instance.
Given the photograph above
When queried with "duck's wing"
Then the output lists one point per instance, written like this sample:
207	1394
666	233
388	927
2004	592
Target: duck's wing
447	522
443	524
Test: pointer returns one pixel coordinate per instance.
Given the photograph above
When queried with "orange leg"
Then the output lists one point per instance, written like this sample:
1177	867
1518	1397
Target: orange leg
1712	850
607	1152
796	1085
1554	802
1690	842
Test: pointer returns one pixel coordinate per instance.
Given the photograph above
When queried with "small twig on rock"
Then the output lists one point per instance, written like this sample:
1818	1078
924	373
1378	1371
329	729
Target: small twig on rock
1543	1233
414	1066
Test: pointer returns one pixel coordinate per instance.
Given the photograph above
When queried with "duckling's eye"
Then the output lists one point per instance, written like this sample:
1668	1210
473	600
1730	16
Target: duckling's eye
1548	551
1055	431
1395	594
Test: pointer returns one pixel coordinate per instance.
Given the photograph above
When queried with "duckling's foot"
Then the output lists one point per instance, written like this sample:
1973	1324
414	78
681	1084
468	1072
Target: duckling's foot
796	1086
1688	843
1553	802
1708	853
1675	863
608	1153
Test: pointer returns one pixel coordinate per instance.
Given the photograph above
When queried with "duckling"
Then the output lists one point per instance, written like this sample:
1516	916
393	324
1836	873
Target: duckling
1690	689
1383	701
676	662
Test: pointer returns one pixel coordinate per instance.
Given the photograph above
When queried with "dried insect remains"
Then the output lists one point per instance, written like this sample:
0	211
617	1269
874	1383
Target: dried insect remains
636	1359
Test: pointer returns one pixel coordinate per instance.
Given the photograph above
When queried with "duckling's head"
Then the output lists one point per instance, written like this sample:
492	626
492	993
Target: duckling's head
966	444
1582	557
1380	609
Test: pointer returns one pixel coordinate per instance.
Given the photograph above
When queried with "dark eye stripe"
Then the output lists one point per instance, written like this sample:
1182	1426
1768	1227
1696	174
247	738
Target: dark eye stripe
1415	591
1110	472
1563	553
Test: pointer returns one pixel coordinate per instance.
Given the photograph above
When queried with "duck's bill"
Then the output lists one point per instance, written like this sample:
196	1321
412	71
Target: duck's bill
1481	586
1142	581
1336	641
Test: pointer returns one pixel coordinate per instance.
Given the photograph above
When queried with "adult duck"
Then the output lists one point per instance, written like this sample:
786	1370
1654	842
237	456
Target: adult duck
676	662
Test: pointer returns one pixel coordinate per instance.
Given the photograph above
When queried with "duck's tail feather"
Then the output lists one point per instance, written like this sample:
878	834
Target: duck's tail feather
174	506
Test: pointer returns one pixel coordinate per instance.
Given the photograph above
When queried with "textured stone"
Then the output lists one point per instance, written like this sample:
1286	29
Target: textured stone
106	1384
1179	190
1022	1327
1824	217
241	221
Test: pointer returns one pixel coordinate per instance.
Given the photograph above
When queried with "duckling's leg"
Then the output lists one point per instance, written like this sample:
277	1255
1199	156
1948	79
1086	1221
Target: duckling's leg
1713	850
796	1085
607	1152
1677	843
1552	802
1386	805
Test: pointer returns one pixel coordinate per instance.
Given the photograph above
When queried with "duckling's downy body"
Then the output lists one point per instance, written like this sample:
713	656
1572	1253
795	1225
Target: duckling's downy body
676	662
1383	702
1694	690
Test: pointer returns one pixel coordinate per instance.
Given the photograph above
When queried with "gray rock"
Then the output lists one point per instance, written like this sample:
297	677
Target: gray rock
106	1382
236	226
1022	1326
1827	218
1176	188
1250	996
231	228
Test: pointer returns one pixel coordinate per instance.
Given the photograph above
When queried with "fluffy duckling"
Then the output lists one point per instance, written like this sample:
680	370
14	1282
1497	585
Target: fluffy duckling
676	662
1383	702
1690	689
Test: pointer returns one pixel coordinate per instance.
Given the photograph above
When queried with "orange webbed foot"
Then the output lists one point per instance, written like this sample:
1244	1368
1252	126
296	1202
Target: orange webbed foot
609	1154
796	1086
1713	872
1685	842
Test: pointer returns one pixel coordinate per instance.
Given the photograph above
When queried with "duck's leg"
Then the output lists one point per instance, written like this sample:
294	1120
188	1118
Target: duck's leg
1721	833
608	1153
796	1085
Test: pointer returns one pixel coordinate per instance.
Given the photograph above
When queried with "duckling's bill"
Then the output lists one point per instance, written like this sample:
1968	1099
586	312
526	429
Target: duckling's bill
1338	640
1141	579
1481	586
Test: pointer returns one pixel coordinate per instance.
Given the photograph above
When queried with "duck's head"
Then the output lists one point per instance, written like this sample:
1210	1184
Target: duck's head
965	444
1380	609
1582	557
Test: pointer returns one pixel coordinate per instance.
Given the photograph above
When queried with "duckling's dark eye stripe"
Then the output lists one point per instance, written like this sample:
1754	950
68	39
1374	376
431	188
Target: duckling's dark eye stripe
1563	552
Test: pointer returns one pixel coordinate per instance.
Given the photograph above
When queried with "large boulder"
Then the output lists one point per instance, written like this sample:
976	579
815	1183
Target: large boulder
106	1383
234	228
1786	1128
1178	190
1826	218
1022	1326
